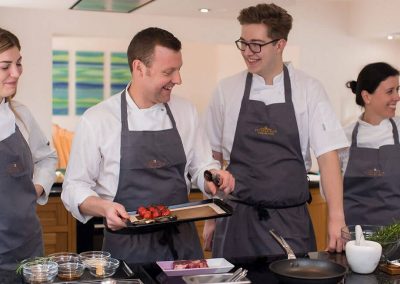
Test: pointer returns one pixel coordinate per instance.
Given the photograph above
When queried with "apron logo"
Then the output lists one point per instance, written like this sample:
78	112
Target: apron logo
266	131
375	173
155	164
13	168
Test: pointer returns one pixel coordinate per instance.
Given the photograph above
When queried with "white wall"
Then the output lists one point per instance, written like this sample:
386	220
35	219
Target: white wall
323	43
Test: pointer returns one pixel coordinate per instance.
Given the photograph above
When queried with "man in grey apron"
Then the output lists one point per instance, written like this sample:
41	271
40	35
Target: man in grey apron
20	229
372	183
145	163
275	192
152	172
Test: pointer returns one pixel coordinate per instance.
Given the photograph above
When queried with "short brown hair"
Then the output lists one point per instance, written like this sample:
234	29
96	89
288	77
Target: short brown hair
143	43
277	19
8	40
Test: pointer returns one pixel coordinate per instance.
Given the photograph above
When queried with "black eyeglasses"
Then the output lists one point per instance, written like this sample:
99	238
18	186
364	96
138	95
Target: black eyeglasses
254	47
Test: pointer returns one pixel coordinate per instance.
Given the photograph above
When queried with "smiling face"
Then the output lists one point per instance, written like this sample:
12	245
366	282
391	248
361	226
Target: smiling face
10	71
269	60
157	80
381	104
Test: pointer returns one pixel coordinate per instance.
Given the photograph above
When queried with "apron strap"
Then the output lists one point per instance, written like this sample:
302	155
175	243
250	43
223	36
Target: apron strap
395	132
354	135
287	84
124	115
262	207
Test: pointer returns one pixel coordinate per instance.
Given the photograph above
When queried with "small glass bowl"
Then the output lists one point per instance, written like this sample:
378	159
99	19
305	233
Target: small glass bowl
348	233
70	270
64	257
102	268
39	271
89	257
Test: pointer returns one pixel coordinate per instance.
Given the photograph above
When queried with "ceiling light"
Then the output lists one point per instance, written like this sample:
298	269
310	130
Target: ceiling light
204	10
393	36
121	6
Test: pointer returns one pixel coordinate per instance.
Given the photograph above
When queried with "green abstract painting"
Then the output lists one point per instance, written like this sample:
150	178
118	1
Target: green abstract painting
60	82
120	74
89	79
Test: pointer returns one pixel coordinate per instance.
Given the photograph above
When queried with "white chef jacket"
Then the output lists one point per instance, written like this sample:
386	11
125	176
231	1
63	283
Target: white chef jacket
93	167
369	136
318	125
44	157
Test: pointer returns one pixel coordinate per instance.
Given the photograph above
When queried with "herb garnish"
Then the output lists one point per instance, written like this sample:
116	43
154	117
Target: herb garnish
387	234
34	260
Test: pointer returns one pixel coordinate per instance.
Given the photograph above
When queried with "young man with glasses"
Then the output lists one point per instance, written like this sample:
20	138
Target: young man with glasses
262	123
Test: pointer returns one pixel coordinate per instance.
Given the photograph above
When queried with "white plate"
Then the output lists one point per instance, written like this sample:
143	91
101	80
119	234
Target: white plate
215	265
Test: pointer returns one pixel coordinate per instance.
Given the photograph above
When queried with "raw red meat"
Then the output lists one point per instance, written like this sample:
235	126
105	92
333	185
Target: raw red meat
189	264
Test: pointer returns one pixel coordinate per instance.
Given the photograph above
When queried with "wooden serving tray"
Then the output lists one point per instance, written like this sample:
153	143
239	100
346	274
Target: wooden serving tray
187	212
390	269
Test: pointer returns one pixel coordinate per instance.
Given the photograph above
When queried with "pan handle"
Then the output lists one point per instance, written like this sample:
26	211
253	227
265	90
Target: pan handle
283	243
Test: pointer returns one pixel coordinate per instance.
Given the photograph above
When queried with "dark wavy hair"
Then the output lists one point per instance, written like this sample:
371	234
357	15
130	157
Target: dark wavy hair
369	79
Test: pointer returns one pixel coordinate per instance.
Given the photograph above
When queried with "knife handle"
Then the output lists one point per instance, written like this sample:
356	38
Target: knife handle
215	178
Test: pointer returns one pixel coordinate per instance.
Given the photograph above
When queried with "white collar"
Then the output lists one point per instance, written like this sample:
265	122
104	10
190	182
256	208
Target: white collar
7	120
364	123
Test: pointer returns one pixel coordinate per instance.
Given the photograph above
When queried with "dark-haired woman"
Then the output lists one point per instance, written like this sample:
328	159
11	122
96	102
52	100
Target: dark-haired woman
27	165
371	165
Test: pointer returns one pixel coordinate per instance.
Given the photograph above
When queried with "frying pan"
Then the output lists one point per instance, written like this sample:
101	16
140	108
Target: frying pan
305	270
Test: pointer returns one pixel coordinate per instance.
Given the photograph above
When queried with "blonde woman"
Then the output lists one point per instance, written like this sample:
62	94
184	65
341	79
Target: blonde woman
27	164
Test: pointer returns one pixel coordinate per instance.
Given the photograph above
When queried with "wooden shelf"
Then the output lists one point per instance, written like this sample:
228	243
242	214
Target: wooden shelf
58	225
319	216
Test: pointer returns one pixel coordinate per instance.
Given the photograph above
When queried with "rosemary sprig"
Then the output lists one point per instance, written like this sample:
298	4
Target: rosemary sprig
34	260
387	234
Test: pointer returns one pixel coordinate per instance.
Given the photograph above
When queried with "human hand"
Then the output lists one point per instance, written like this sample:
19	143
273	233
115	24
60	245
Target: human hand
226	182
116	216
335	242
39	190
208	234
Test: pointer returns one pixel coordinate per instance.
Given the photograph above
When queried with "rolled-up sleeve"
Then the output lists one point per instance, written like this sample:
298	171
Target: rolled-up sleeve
326	132
82	170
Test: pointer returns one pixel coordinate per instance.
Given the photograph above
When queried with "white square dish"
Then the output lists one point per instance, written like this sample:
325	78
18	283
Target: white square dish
215	265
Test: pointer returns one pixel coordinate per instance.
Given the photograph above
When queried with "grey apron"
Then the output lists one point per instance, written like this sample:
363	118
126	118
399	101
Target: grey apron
271	182
20	229
372	183
152	167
